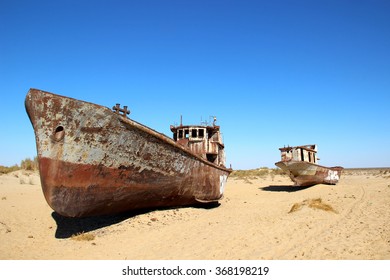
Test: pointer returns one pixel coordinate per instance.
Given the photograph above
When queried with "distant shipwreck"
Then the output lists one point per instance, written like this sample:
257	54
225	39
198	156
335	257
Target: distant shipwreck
94	160
300	163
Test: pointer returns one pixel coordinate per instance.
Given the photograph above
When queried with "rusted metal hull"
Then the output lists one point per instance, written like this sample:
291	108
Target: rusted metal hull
308	174
95	162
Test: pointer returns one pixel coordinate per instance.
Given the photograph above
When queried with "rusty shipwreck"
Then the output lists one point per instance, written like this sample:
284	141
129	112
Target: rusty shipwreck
300	163
94	160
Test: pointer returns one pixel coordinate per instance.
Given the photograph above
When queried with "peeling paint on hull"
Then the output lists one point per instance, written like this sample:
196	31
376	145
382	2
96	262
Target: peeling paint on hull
308	174
95	162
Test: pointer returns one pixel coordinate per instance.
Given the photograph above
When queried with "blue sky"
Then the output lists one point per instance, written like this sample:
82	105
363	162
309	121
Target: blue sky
274	73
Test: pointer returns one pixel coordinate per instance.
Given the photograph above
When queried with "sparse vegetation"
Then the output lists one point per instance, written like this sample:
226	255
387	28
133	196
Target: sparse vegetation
382	172
83	237
312	203
26	179
26	164
6	170
256	173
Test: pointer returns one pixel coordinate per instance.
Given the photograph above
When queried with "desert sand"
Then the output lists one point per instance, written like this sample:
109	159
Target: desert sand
259	218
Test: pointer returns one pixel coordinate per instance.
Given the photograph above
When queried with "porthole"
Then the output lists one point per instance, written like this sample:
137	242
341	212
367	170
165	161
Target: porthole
59	133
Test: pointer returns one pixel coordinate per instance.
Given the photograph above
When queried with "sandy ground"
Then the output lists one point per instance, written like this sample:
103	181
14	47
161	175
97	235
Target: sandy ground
255	220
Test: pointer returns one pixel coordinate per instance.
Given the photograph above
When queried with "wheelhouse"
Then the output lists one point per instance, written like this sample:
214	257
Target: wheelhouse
306	153
202	140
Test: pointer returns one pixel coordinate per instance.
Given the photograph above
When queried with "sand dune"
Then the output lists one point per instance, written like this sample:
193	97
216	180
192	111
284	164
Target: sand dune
259	218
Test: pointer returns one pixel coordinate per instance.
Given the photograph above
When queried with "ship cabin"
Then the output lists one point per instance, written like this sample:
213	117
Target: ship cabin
306	153
202	140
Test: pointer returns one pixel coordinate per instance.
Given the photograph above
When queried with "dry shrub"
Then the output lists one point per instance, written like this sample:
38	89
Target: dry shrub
295	207
83	237
318	204
22	181
29	164
312	203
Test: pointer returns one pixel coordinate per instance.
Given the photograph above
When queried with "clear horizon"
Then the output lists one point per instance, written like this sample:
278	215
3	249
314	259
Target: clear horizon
274	73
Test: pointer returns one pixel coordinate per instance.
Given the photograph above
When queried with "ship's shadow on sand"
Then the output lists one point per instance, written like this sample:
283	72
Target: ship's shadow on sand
283	188
67	227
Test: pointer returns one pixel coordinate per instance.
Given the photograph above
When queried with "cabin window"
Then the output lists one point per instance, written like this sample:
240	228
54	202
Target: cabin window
180	133
201	133
194	133
211	158
186	133
175	136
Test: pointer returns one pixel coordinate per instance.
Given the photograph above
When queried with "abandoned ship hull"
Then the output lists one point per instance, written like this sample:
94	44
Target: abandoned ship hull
308	174
95	162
